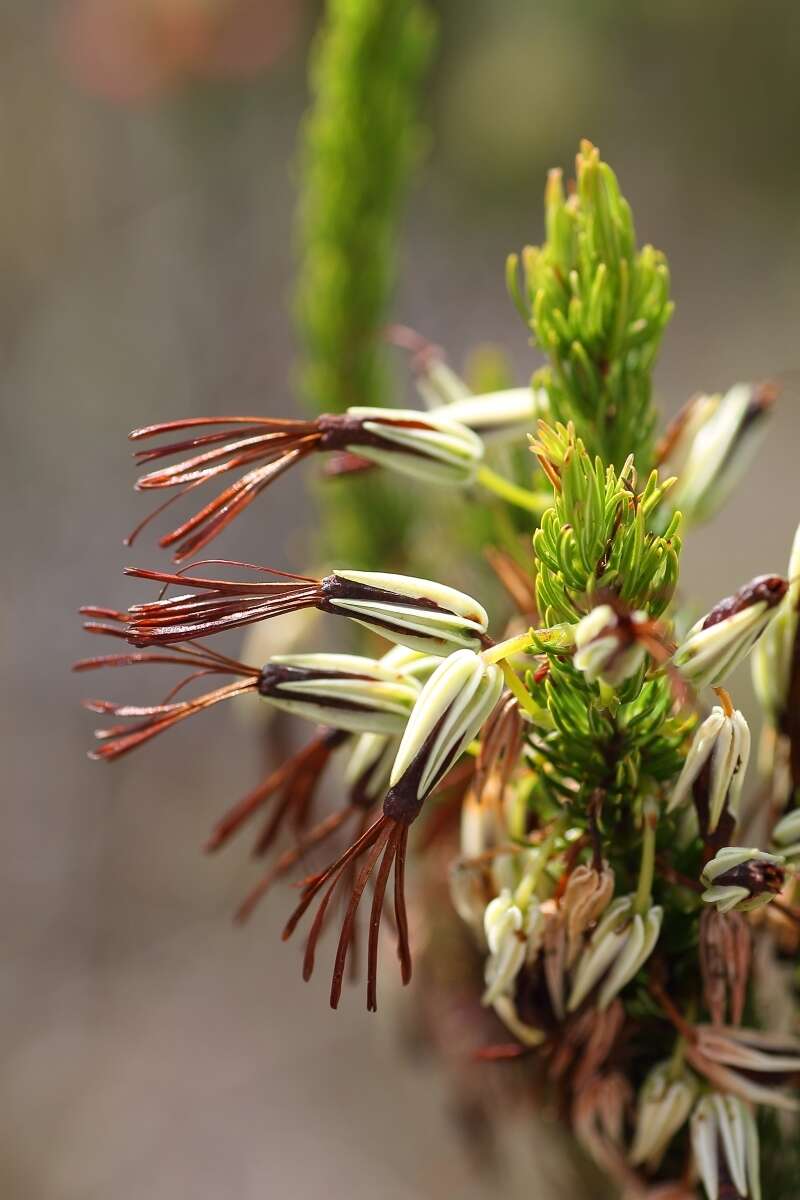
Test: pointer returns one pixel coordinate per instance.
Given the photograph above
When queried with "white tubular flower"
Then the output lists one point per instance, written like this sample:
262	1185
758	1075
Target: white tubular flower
506	927
506	1010
345	691
773	657
419	614
606	647
725	1145
676	445
450	709
721	450
721	744
738	878
499	417
748	1063
665	1101
426	446
369	767
721	639
410	663
619	946
786	835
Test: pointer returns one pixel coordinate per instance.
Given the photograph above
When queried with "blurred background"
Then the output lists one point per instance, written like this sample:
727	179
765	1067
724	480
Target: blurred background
147	148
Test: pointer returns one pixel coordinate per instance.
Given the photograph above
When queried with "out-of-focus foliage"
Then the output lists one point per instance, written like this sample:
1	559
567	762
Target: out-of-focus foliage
361	139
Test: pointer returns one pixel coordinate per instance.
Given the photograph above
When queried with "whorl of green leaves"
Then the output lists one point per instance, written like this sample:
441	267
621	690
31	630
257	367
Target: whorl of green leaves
597	307
597	537
359	143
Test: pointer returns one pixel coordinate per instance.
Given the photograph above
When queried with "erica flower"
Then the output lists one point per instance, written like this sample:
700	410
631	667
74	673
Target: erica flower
714	769
715	446
452	706
619	946
417	613
725	1146
665	1101
355	693
607	646
425	446
749	1063
718	642
507	927
742	879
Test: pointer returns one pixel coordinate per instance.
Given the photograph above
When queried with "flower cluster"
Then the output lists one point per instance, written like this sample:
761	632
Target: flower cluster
568	758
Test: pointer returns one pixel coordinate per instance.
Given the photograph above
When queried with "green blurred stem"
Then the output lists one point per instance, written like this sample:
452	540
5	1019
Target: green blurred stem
535	502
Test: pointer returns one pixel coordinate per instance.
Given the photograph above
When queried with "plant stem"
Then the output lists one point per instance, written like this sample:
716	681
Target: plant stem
535	502
642	899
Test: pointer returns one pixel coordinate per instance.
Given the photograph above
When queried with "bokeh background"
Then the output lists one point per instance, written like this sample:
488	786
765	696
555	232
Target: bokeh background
146	202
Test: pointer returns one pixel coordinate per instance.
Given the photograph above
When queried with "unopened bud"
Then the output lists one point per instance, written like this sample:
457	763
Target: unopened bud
718	642
714	770
506	927
345	691
665	1101
738	878
619	946
450	709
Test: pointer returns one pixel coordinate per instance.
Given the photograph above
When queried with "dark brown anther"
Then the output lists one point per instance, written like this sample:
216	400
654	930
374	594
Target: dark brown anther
768	588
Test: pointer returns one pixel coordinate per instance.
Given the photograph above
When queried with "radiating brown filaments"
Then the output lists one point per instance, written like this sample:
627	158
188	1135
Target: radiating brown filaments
214	605
262	449
153	719
382	845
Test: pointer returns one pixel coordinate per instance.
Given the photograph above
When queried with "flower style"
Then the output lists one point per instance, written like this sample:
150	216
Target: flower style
721	639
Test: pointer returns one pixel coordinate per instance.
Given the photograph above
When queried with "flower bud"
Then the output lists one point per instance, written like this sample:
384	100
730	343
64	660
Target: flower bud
713	772
721	450
342	690
749	1063
725	1145
774	659
786	835
425	446
620	944
676	445
508	929
724	637
419	614
665	1101
450	709
737	878
606	647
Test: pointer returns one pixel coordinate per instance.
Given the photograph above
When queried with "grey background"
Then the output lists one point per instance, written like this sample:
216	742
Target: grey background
150	1050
